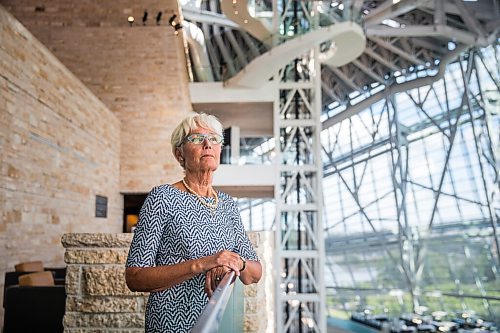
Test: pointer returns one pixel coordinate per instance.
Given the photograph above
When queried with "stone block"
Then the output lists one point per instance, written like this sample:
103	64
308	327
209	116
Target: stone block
96	256
251	290
106	280
108	320
255	305
73	274
88	304
96	240
253	324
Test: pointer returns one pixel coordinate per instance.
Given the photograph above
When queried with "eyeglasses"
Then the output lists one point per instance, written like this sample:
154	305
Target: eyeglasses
198	139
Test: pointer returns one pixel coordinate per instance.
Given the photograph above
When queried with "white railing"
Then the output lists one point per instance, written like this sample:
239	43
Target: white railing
211	316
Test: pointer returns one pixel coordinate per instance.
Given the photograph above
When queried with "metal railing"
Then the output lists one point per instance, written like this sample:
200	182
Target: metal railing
210	318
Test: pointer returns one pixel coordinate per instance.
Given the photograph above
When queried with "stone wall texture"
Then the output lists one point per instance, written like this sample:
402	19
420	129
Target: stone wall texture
139	72
259	298
99	301
60	147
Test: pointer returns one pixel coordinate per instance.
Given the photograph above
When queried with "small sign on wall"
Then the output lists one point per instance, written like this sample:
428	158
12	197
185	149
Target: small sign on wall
101	206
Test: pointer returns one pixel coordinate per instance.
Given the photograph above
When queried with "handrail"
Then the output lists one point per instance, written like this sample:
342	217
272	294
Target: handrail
209	320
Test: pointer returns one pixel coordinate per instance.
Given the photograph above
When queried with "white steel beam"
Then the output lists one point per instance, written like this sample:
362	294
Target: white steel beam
469	19
439	14
366	103
301	297
368	71
397	50
389	10
236	47
300	254
217	92
299	207
444	31
345	79
382	60
206	16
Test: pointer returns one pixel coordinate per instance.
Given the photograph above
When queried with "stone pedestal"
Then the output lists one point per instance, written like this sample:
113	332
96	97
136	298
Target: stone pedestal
98	299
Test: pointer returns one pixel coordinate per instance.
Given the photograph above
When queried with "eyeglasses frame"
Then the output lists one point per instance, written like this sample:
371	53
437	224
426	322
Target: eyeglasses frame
205	137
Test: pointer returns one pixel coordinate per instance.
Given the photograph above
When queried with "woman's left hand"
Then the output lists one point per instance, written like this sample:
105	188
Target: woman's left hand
213	278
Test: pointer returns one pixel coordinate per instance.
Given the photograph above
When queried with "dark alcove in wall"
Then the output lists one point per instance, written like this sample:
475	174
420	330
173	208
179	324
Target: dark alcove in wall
132	204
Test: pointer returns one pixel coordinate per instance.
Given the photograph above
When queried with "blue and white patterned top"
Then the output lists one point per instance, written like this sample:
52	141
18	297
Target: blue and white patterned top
174	227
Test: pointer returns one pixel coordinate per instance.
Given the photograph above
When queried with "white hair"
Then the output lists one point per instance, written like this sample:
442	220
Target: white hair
190	123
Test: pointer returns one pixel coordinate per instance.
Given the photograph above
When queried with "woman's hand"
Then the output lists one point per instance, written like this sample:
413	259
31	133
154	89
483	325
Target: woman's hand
213	278
150	279
227	259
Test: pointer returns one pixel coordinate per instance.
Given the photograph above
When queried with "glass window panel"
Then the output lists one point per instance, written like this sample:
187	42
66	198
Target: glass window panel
366	239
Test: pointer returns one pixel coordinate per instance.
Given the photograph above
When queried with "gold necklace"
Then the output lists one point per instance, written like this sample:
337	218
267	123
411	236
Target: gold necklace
212	206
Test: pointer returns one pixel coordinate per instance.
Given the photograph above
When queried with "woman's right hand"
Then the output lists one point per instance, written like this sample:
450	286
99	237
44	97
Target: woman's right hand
213	278
226	258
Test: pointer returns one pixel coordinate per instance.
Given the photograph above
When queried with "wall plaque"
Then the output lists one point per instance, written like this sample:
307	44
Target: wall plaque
101	206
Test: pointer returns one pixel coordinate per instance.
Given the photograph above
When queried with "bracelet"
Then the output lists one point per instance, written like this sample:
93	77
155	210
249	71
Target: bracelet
244	264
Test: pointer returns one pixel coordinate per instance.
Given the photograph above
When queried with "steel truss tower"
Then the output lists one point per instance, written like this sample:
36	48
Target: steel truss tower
300	294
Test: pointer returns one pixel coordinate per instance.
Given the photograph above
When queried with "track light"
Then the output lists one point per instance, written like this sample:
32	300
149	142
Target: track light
158	18
171	20
177	27
176	24
130	20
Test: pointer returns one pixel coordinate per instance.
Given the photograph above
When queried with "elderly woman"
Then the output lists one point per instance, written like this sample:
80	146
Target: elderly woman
189	235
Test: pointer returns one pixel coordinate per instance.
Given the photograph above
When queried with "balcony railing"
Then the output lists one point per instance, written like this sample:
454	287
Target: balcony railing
224	311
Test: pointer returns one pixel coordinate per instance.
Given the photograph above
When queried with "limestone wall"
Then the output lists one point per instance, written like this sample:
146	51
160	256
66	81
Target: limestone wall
139	72
99	301
60	147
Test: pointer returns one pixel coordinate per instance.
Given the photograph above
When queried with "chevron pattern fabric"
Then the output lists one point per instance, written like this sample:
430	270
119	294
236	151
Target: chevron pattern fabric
173	227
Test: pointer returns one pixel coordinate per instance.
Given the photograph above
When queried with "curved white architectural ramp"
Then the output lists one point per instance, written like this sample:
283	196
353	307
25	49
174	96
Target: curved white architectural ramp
262	68
196	4
237	11
346	46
